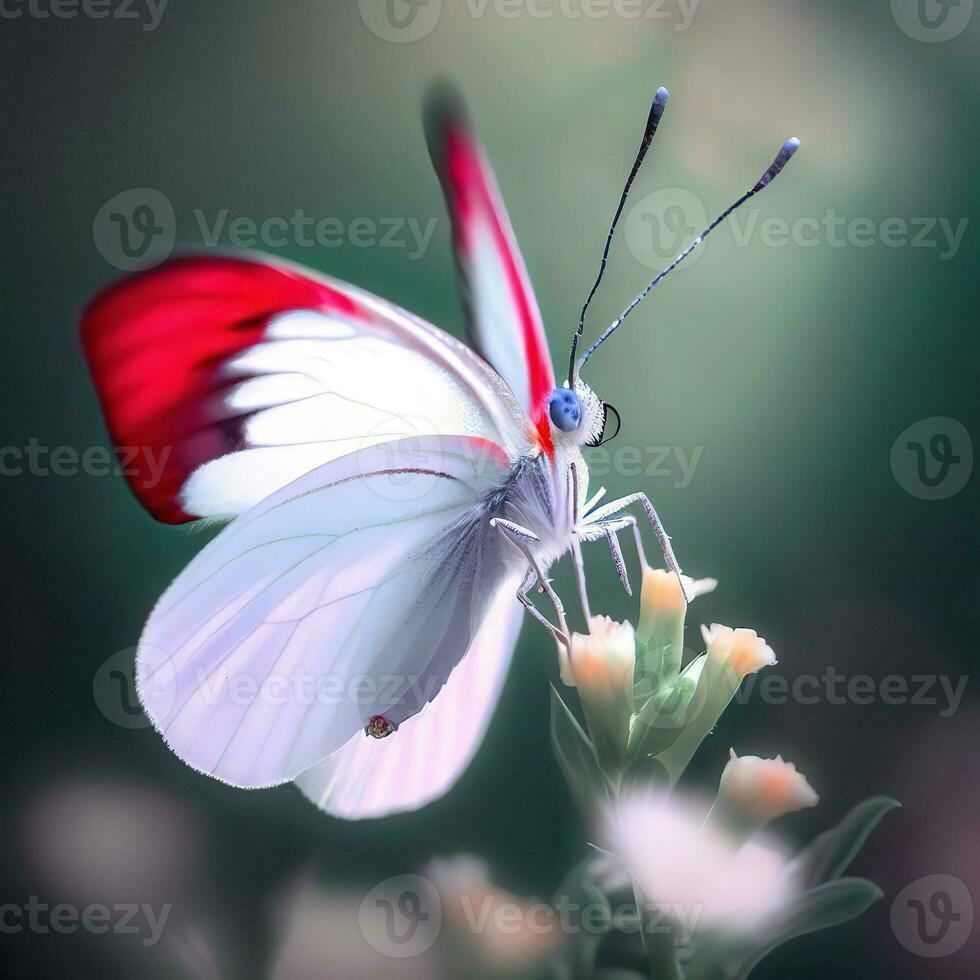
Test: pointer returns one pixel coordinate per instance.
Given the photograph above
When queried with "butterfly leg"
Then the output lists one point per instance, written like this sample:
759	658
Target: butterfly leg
521	537
616	507
555	631
594	499
610	530
576	545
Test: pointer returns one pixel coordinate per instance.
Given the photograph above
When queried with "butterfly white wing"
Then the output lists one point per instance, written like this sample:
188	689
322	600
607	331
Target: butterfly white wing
350	593
377	777
237	376
230	377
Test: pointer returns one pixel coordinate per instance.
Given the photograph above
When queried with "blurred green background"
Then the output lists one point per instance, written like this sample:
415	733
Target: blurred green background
790	369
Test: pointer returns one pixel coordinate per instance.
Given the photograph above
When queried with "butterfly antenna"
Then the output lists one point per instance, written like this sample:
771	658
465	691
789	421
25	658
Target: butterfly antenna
782	158
653	121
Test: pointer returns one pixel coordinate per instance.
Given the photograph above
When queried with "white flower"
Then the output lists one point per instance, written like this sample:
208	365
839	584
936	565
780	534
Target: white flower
762	790
601	664
694	874
661	594
662	611
743	650
601	661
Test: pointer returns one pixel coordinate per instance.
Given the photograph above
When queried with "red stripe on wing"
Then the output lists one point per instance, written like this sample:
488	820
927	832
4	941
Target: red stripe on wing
473	197
155	343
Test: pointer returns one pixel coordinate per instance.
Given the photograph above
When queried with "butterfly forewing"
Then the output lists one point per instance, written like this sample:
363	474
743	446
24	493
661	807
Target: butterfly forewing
234	376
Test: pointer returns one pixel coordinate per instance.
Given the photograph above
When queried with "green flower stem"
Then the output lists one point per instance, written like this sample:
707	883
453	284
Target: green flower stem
608	724
716	686
660	649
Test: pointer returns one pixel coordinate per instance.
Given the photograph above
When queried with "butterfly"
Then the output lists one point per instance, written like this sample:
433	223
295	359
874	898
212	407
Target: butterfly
392	497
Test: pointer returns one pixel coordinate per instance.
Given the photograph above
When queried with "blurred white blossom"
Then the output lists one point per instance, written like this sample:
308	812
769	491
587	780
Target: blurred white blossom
695	874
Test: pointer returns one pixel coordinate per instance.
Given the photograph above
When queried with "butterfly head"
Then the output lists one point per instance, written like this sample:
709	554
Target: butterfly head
579	416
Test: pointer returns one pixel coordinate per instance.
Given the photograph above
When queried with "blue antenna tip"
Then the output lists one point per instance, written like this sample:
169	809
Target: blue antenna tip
783	157
656	111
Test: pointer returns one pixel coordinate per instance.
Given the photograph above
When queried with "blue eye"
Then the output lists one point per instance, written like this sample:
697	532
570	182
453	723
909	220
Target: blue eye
565	409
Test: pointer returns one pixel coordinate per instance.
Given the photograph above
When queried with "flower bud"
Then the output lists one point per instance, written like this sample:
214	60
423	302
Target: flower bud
600	664
756	791
661	630
741	650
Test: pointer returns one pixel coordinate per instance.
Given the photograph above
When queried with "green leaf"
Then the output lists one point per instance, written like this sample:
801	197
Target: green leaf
828	905
661	720
576	757
715	685
648	676
828	856
585	889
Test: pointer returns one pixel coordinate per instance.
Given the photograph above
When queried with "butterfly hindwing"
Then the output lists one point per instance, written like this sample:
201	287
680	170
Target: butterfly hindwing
350	593
370	777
